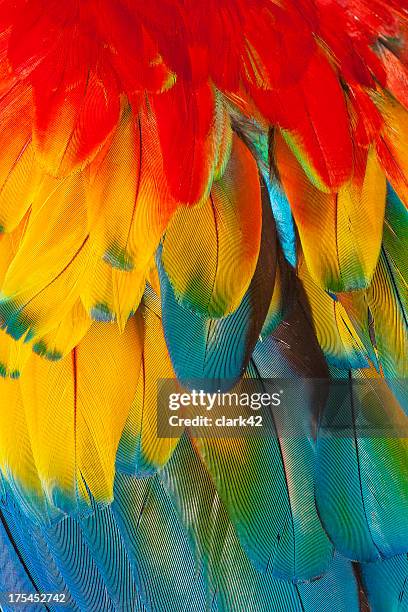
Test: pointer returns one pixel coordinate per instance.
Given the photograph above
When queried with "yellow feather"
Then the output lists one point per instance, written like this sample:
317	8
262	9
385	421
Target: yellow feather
111	294
19	175
13	355
340	232
393	150
76	409
128	289
389	313
108	365
334	330
153	279
45	277
97	293
57	343
48	391
128	200
16	456
9	244
143	449
222	238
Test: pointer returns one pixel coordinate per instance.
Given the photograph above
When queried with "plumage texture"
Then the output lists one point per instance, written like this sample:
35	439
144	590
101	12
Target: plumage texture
204	194
230	221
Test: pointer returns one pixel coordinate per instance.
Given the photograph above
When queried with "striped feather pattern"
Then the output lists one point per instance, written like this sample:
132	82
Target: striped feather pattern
190	191
222	236
217	349
362	507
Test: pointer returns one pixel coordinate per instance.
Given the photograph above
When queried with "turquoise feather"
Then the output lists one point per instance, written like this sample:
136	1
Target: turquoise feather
217	351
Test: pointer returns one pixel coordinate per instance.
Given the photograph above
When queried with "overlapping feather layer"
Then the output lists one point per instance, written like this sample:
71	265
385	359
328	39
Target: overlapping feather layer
211	190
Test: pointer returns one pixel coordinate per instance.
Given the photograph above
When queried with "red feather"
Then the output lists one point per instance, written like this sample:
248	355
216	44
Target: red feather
185	119
315	114
75	108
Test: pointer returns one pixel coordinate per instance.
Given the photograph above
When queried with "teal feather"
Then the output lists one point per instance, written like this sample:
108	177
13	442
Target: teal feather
38	562
283	218
104	540
257	139
361	474
385	583
162	564
76	565
233	582
14	577
220	349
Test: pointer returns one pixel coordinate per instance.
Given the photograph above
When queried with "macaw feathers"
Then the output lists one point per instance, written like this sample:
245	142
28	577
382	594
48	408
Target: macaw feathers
215	192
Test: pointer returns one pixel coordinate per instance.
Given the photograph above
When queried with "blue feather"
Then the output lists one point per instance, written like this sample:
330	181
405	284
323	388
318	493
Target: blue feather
218	350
